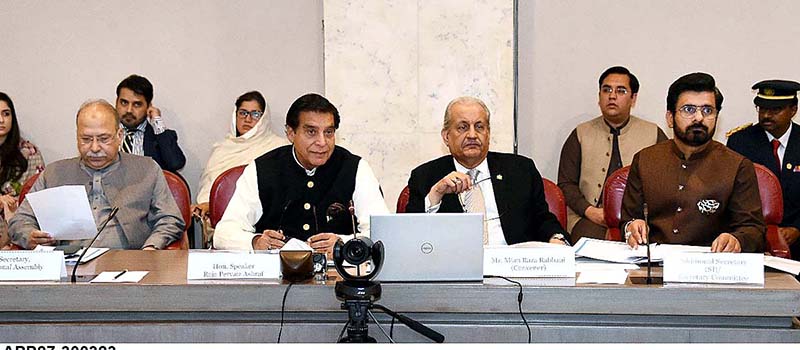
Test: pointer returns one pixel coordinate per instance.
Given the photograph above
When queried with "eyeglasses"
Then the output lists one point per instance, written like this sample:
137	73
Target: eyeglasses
688	111
256	115
619	90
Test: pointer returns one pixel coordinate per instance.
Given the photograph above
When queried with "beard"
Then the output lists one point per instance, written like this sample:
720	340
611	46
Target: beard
694	135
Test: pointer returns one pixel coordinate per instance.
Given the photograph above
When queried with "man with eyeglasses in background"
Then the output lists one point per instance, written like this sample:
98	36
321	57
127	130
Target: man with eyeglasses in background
293	191
148	217
775	143
598	147
145	132
506	188
696	190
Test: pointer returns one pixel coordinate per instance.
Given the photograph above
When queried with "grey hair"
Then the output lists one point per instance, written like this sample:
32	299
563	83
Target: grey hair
99	102
463	100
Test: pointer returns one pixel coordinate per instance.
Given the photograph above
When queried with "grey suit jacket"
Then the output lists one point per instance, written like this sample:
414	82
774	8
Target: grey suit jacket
147	213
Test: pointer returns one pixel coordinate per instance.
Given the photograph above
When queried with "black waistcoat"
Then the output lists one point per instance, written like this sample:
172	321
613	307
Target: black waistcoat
297	203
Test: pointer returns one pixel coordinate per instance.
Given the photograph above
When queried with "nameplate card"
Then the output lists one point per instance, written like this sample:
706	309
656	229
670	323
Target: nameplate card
725	268
204	265
529	262
27	265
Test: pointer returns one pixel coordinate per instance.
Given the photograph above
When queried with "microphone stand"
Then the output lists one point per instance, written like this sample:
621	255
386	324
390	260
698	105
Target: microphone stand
649	260
414	325
111	215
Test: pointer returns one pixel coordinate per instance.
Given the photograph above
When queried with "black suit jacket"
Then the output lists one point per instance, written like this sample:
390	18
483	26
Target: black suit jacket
163	148
518	192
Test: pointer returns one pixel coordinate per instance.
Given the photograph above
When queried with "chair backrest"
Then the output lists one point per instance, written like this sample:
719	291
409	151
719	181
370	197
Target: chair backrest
555	201
26	187
613	191
769	187
221	193
180	191
402	201
552	194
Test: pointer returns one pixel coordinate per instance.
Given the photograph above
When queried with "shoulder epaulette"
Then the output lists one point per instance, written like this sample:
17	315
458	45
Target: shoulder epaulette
737	129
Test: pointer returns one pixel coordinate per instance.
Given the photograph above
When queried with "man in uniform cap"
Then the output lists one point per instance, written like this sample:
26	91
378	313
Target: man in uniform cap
775	143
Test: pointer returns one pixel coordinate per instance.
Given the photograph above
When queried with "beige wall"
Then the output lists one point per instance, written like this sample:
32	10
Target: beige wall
565	45
200	55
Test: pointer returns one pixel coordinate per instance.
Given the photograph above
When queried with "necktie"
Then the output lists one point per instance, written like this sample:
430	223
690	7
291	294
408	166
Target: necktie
474	202
127	144
775	145
616	159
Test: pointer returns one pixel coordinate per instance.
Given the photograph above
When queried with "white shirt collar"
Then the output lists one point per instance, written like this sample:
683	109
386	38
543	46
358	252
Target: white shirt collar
483	167
308	172
783	139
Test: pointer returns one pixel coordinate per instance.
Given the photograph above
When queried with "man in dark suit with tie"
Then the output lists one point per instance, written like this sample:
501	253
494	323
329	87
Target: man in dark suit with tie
151	139
775	143
507	188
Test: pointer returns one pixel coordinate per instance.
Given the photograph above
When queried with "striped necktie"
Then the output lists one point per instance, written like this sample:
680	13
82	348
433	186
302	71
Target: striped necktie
474	202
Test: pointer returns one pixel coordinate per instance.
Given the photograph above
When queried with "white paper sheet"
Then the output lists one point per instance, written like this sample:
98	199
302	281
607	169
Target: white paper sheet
64	212
621	252
296	244
782	264
603	277
127	277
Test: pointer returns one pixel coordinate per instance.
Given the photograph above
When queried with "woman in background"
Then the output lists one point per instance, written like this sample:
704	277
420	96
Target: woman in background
19	160
250	136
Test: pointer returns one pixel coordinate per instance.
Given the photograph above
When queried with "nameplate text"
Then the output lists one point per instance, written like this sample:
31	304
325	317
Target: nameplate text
232	265
529	262
727	268
26	265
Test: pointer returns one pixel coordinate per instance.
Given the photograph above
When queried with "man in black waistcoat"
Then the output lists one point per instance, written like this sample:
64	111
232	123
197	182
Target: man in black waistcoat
509	186
775	143
302	190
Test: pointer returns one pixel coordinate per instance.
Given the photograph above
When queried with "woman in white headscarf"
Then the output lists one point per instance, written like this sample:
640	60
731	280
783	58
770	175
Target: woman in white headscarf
250	137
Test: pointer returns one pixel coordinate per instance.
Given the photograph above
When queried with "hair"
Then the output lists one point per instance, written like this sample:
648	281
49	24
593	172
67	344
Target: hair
695	82
12	163
463	100
252	96
139	85
620	70
310	103
102	103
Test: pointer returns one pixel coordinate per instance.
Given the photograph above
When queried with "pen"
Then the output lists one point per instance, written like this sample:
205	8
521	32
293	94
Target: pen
120	274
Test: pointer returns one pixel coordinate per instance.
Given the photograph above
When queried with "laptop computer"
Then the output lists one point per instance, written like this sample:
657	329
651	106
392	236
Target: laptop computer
430	247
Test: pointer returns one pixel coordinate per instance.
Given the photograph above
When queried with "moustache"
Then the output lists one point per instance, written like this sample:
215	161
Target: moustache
127	115
697	127
96	154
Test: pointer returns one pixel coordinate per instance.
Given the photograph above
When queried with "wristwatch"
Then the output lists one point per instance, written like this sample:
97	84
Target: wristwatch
560	237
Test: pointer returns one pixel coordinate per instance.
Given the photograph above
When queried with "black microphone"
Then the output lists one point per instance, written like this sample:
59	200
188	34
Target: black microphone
285	208
111	215
416	326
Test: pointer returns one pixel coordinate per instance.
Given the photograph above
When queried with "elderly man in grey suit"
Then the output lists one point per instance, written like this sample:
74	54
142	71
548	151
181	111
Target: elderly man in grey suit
148	217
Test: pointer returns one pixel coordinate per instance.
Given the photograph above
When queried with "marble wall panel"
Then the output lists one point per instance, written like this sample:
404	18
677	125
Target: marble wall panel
392	66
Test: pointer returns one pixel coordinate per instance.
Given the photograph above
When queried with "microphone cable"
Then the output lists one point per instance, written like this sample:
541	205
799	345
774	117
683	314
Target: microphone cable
369	312
519	302
283	308
342	332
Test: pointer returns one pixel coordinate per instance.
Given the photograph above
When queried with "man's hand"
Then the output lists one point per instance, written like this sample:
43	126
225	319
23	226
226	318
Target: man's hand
323	242
557	241
149	248
453	182
8	201
726	243
790	234
200	210
595	215
269	239
639	233
39	238
153	112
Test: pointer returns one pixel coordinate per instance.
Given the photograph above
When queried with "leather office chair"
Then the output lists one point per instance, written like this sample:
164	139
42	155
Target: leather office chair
769	188
402	201
613	190
182	198
552	194
771	205
555	201
179	191
221	191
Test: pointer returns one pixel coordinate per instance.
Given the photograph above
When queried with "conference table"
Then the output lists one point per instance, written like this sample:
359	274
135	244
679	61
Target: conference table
165	307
